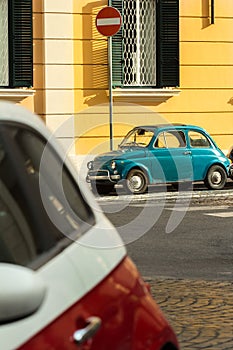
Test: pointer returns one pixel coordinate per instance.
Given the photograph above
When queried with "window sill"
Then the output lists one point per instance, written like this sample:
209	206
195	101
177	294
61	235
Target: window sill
15	95
141	94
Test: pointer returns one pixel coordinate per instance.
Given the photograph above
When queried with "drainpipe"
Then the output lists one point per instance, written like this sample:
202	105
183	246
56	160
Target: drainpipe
212	11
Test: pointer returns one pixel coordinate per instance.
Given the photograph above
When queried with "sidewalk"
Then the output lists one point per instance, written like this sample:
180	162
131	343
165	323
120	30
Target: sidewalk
200	312
157	193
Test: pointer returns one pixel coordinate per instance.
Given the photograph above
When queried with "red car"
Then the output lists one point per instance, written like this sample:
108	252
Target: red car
66	280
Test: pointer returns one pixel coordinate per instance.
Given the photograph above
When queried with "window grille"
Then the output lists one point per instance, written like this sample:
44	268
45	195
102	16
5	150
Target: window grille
139	42
16	61
145	51
20	43
4	81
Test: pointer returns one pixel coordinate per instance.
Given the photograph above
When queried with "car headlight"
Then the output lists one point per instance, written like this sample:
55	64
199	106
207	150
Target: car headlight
90	165
113	164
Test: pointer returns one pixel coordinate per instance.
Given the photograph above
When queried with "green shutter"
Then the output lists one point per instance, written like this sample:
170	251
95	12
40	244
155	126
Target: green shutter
168	43
117	55
20	43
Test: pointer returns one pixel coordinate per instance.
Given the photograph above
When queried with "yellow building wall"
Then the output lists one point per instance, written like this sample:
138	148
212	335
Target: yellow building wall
206	78
53	52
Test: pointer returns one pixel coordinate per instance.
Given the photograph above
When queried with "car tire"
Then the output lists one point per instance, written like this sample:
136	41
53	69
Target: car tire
216	178
101	189
136	182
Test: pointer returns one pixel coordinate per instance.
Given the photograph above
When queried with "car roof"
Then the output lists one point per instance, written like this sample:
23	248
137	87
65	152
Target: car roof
168	126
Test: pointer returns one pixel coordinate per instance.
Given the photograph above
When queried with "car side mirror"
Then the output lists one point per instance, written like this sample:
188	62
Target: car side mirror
21	294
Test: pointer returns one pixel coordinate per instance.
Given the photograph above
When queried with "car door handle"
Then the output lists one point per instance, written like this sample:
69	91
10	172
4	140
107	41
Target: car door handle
81	335
186	153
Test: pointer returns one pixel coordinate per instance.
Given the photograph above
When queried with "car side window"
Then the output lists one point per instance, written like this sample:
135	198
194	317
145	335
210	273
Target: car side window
171	139
197	139
16	239
160	141
41	207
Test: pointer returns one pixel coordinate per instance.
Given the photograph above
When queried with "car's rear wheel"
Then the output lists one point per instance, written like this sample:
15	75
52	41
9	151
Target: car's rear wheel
216	178
101	188
169	346
136	182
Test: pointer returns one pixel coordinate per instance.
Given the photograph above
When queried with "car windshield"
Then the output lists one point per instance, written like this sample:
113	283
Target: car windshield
137	138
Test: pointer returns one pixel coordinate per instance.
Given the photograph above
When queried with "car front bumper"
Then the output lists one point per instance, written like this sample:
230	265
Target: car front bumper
102	176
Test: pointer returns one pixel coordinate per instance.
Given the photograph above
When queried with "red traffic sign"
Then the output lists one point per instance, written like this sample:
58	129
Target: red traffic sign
108	21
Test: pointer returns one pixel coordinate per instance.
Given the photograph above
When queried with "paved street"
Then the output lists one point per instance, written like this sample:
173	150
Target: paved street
200	310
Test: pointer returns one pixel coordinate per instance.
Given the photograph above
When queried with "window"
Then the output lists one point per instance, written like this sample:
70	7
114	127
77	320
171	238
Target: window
137	138
146	50
160	142
16	43
42	210
197	139
170	139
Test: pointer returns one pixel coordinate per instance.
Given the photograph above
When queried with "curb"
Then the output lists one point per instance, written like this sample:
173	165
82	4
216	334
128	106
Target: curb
170	196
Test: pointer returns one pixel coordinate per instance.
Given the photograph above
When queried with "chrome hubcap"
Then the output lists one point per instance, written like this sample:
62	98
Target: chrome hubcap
135	182
216	178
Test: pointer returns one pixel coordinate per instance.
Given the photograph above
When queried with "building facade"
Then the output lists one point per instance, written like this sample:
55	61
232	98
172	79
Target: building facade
172	61
201	95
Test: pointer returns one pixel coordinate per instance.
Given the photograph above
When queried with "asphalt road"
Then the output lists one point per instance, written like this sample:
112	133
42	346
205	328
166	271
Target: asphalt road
191	237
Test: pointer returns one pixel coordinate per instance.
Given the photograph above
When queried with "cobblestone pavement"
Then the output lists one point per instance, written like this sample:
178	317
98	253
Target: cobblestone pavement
200	312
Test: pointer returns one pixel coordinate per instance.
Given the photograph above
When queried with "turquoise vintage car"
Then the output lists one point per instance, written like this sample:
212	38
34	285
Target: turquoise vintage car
160	154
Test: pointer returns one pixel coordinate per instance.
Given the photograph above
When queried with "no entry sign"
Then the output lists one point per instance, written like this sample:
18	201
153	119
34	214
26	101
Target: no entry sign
108	21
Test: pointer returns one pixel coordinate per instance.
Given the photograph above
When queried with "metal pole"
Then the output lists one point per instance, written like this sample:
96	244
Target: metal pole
212	11
110	90
138	53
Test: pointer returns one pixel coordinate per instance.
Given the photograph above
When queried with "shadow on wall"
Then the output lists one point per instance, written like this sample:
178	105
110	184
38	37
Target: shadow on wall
95	62
206	13
95	57
230	101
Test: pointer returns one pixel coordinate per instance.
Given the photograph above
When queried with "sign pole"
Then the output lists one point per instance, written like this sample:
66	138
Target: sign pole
110	91
108	23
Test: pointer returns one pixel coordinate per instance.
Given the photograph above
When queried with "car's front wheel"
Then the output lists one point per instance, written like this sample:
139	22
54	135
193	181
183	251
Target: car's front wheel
136	182
216	178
